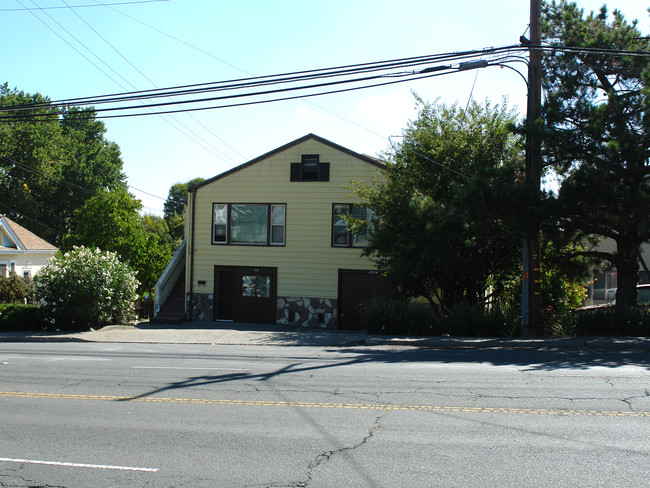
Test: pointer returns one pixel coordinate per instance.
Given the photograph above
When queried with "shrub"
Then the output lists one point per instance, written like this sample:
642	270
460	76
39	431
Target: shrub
17	317
86	288
394	316
15	289
481	321
608	321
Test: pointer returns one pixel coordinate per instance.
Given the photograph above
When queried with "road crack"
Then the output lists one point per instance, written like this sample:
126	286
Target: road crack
628	400
325	456
26	483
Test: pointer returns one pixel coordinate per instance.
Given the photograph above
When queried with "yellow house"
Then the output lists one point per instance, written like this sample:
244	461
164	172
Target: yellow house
266	242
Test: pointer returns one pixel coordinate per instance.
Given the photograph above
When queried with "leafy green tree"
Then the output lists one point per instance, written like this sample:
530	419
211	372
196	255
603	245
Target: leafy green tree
111	221
443	209
597	134
563	287
174	208
86	288
50	166
158	227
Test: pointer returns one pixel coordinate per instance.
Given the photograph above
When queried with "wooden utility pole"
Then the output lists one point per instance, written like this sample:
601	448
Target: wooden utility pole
531	260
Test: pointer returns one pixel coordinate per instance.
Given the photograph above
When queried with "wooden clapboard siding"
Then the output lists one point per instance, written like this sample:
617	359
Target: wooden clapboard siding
307	265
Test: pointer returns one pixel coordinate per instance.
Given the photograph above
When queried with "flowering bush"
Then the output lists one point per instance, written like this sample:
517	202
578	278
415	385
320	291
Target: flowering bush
86	288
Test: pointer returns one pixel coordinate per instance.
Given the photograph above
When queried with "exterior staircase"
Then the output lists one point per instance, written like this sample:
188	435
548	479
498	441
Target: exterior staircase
173	310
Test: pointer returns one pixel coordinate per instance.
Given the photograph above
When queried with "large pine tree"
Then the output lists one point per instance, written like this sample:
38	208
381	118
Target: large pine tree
597	132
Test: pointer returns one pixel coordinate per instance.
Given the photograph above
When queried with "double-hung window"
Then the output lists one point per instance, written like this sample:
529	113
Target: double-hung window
342	236
260	224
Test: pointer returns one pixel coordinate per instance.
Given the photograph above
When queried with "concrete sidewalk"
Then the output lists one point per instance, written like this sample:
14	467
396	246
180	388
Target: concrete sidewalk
205	332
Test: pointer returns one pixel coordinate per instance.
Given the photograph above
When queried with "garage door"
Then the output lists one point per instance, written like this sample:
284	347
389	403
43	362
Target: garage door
356	289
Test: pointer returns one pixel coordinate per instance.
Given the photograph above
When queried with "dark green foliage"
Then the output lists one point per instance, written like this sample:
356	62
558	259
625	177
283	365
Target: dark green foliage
21	318
111	221
174	208
50	167
398	317
402	317
15	289
564	275
597	135
61	179
446	210
479	321
612	322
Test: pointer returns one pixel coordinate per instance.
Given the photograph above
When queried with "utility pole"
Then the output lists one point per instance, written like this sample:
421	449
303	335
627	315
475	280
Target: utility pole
531	253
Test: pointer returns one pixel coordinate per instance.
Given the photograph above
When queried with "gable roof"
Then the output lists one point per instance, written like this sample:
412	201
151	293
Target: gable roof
24	239
366	159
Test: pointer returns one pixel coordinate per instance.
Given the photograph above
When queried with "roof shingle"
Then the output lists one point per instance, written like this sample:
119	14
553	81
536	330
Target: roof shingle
28	240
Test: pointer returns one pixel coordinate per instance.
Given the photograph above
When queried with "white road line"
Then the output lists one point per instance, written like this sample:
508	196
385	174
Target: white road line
76	465
172	367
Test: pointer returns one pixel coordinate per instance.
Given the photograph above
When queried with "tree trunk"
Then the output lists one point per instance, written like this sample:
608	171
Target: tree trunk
627	269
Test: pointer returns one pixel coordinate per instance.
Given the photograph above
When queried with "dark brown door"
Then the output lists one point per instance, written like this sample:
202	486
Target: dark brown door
356	289
245	294
224	293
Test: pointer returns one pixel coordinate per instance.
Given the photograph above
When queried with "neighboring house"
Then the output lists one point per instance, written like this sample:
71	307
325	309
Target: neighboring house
266	242
21	251
602	287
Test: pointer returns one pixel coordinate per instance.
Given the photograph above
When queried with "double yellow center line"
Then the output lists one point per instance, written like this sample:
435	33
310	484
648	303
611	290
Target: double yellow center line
356	406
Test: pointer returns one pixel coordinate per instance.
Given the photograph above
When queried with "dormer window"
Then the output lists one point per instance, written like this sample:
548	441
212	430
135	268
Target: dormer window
310	169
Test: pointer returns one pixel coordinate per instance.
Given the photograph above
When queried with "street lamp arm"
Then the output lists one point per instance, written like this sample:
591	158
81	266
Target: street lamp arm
502	65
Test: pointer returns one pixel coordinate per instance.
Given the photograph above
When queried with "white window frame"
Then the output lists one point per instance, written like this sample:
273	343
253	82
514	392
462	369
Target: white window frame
351	238
227	238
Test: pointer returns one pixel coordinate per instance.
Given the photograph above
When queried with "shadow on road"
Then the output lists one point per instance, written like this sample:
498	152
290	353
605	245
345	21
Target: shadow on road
527	360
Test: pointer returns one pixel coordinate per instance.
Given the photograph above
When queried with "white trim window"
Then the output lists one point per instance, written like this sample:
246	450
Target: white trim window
278	224
257	224
341	234
219	223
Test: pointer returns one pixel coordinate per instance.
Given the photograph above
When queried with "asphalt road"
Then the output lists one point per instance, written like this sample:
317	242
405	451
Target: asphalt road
163	415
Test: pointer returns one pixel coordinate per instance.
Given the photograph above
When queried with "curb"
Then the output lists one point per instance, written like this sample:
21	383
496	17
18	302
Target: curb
636	343
564	343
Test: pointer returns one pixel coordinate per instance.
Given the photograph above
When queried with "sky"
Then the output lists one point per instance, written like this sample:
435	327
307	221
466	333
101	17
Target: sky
77	48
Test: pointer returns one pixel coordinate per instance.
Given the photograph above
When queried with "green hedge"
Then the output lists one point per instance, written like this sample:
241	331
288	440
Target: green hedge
399	317
608	321
21	318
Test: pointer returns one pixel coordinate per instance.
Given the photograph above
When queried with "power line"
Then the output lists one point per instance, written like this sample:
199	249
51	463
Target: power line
73	185
507	54
27	9
202	51
109	76
147	193
67	42
17	214
176	39
154	84
289	77
395	78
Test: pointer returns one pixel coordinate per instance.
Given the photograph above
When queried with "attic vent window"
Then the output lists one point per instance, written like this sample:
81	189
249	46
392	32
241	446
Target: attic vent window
310	169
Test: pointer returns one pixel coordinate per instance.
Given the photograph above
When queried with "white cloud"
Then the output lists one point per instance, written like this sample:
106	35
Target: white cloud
386	113
304	112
